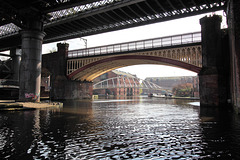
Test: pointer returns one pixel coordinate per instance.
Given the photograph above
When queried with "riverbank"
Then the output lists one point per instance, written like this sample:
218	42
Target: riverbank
11	105
186	98
173	97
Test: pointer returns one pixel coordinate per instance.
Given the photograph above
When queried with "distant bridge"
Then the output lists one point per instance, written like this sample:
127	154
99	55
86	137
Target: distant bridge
126	82
183	51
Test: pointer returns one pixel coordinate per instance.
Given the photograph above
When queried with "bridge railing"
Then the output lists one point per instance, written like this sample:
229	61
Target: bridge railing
182	39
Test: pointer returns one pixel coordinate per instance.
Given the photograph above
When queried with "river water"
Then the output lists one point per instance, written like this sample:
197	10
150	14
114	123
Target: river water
135	128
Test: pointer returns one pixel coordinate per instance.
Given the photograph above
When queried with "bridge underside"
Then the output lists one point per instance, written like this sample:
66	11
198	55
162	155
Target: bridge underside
68	19
93	70
87	69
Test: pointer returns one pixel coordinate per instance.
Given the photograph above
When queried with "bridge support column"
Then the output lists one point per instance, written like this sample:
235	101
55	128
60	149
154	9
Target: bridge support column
233	20
30	68
213	78
61	87
15	53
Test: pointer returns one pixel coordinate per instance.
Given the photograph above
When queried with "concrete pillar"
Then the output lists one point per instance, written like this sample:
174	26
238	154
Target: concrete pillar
15	53
212	57
30	68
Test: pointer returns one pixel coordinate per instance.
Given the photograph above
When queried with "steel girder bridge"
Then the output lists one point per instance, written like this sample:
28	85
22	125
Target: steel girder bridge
65	19
126	82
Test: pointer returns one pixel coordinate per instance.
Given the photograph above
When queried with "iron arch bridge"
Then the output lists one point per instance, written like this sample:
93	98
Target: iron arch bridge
182	51
126	82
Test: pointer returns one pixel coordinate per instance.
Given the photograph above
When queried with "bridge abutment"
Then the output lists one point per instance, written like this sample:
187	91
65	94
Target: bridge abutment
213	77
61	87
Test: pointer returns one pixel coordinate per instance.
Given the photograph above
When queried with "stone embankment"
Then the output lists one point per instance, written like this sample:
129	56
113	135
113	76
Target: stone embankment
9	105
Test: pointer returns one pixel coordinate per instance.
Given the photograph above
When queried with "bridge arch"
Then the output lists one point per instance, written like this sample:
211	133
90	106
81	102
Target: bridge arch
92	70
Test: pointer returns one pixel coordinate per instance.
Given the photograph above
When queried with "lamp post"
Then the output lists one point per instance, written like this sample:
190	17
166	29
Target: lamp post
85	41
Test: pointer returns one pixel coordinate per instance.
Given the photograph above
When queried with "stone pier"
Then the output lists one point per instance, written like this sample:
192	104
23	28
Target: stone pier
61	87
214	75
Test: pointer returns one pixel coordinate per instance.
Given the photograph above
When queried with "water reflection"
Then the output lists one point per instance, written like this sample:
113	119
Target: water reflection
138	128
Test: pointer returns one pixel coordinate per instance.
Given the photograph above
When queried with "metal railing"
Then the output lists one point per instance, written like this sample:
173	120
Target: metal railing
182	39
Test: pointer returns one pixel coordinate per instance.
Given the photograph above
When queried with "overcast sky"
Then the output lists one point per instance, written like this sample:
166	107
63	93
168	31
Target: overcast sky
173	27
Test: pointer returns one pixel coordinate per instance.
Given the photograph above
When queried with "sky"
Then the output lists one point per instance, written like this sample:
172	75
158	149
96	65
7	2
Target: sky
173	27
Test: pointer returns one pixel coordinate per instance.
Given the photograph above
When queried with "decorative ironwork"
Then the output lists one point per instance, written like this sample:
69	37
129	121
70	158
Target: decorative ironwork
126	82
62	14
8	29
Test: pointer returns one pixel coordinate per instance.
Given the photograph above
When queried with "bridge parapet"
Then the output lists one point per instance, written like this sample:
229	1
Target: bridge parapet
168	41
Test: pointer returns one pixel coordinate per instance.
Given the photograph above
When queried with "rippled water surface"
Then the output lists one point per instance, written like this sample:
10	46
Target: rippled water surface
139	128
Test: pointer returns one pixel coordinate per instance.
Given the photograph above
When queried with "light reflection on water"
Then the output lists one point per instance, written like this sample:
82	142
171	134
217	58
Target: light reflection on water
138	128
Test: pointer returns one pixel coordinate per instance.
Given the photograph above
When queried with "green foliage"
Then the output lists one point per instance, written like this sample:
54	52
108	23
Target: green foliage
183	90
53	50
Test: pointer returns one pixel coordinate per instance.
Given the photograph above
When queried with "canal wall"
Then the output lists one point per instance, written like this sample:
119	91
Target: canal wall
62	88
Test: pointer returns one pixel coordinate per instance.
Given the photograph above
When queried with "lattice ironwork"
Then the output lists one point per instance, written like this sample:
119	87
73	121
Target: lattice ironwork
8	29
126	82
61	14
126	16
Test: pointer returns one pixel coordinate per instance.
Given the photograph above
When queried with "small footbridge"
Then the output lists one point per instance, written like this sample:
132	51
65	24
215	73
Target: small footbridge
126	82
183	51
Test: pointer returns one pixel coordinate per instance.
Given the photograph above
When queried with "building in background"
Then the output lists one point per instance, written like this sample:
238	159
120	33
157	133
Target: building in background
119	91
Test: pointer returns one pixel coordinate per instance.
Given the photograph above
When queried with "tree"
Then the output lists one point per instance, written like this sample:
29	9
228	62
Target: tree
183	90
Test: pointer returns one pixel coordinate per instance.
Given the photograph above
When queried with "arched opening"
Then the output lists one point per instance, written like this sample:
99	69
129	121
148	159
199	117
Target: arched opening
93	70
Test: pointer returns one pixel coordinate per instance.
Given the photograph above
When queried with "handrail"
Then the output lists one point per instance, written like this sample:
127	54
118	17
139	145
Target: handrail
137	45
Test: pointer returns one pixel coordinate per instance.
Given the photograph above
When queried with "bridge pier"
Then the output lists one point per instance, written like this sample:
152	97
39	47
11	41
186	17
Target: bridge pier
213	77
30	67
233	20
61	87
15	54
